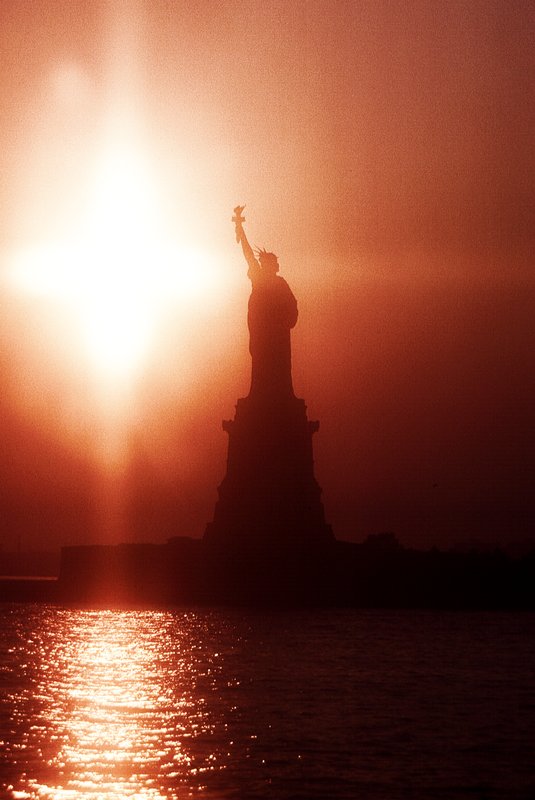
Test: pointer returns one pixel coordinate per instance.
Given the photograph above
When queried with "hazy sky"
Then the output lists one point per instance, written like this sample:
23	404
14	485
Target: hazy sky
385	153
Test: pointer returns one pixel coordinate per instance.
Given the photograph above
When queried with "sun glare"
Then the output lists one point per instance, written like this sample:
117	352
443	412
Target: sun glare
119	271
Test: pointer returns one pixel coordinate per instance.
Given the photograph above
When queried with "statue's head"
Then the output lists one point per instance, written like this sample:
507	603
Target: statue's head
268	261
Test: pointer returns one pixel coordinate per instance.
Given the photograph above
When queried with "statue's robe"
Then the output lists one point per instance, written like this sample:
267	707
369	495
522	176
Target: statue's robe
271	315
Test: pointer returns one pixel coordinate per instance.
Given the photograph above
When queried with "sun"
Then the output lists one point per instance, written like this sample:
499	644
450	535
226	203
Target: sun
119	271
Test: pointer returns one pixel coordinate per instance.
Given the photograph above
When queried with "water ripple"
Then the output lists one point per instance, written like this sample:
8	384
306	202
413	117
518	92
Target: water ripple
227	704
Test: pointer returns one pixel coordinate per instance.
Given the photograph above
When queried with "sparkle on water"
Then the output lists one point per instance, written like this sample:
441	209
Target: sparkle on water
119	706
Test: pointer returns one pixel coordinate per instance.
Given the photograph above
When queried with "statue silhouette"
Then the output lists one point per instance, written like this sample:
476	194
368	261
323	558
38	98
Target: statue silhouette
269	499
272	313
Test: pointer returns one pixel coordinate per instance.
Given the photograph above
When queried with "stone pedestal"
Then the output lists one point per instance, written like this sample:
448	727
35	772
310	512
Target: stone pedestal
269	500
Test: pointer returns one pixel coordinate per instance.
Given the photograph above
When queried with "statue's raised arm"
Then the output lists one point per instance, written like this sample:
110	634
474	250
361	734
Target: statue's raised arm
238	219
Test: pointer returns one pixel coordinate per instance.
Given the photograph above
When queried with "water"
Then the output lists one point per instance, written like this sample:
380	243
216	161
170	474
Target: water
257	704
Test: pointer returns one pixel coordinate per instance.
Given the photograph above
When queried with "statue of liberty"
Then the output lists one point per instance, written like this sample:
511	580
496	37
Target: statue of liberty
272	313
269	501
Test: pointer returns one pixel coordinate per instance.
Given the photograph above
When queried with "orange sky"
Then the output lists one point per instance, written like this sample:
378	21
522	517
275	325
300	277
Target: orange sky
384	151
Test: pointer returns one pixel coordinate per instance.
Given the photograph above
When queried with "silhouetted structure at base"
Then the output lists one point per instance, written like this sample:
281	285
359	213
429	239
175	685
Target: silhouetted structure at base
269	498
379	573
269	501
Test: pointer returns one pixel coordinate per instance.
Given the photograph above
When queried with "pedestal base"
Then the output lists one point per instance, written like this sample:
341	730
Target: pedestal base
269	501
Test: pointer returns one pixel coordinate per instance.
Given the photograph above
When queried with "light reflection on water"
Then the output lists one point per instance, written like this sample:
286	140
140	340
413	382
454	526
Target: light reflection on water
114	706
251	705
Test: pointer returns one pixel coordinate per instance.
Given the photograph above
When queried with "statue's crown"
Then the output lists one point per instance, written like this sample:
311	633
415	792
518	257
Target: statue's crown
261	252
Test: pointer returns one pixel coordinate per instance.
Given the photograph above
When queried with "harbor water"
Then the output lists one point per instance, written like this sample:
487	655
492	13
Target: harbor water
254	704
